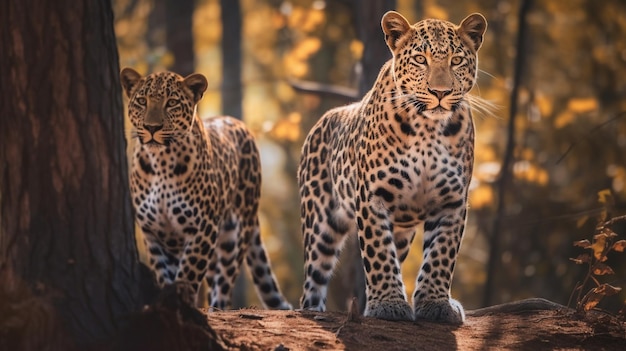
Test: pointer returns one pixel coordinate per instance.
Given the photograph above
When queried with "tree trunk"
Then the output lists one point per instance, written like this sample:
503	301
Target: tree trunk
504	177
155	36
179	35
368	14
231	58
232	97
66	225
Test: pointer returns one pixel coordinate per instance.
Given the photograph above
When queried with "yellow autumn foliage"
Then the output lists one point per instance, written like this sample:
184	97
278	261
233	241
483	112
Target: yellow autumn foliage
482	196
544	104
288	128
618	174
530	172
563	119
434	10
356	48
305	19
207	28
296	61
582	105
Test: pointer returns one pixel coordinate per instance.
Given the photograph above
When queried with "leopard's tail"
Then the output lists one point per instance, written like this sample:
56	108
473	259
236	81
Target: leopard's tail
264	279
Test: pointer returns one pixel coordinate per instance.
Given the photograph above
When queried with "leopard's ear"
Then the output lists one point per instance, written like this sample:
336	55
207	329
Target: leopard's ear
394	26
197	84
472	29
129	78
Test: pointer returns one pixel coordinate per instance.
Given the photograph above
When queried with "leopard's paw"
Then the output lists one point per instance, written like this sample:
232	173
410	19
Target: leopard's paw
393	310
440	310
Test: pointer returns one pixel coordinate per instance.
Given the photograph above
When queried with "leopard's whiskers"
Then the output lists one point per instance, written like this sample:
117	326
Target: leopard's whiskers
482	106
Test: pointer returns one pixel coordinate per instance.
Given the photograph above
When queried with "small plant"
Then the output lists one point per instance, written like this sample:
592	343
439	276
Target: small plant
604	241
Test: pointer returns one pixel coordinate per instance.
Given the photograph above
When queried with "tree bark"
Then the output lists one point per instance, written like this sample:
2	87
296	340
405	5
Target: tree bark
66	226
231	58
368	14
179	35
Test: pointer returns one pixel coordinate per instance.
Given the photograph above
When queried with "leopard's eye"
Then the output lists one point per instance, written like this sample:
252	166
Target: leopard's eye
421	59
456	60
171	103
142	101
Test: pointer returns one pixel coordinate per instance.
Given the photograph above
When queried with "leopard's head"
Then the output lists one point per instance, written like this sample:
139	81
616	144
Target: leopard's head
162	105
434	61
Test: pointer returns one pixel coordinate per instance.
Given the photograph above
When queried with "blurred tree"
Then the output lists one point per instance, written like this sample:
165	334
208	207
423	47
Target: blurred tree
232	96
66	222
179	36
155	35
367	16
168	34
502	183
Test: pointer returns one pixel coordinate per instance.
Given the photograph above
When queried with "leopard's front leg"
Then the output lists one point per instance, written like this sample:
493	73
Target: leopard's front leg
197	257
163	263
442	240
386	298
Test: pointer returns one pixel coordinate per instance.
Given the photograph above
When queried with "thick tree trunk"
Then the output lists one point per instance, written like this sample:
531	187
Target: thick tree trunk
368	14
66	225
179	35
232	95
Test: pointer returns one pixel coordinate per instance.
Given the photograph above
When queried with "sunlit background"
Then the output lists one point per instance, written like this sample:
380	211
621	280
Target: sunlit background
569	132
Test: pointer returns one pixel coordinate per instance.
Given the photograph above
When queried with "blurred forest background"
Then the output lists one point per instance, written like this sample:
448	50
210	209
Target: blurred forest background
552	147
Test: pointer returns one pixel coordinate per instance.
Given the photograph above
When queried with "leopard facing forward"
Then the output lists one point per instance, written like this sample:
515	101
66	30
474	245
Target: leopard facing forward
195	188
399	158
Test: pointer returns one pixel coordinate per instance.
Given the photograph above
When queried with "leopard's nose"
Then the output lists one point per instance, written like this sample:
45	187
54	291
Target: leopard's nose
440	94
153	128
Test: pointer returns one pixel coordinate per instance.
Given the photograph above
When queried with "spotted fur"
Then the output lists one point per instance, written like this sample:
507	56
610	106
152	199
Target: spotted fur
195	188
399	159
